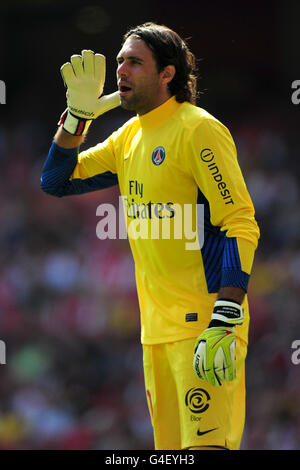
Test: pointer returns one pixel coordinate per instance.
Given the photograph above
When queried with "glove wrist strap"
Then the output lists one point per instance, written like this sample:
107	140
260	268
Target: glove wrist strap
74	124
228	311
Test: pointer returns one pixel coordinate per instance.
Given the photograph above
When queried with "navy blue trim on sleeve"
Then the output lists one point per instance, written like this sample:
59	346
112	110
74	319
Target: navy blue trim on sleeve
59	166
231	259
232	274
213	248
235	278
220	255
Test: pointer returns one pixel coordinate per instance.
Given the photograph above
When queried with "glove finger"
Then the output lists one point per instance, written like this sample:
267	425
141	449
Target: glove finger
220	364
76	61
225	362
200	359
108	102
88	62
100	68
229	361
204	368
212	377
211	374
232	355
67	74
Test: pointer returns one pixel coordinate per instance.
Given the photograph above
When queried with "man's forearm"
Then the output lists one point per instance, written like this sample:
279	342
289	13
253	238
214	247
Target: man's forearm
232	293
66	140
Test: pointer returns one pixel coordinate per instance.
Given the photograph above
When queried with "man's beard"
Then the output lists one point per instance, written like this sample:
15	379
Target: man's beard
136	104
130	104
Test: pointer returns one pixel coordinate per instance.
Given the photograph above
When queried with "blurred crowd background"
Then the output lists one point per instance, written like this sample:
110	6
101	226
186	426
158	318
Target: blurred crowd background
68	307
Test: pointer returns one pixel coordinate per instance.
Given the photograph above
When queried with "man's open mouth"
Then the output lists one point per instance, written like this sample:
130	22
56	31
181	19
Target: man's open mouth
124	90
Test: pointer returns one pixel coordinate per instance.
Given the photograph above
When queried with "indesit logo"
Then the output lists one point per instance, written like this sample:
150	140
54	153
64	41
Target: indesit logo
2	92
208	157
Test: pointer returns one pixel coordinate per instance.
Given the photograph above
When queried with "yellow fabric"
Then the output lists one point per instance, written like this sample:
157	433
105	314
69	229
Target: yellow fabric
186	411
170	276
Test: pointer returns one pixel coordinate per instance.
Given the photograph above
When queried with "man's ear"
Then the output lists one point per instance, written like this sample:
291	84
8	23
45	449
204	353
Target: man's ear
167	74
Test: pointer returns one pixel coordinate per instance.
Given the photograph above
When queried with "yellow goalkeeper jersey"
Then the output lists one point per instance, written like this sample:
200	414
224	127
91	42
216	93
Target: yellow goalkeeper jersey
190	219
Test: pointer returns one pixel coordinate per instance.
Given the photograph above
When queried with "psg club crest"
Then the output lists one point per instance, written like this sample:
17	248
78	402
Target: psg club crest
158	156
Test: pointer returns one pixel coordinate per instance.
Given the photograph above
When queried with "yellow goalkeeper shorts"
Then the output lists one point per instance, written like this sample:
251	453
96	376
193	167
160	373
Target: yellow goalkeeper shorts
187	411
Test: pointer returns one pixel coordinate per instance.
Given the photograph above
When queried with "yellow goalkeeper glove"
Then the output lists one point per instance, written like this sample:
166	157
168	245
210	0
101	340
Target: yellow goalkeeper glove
214	356
84	78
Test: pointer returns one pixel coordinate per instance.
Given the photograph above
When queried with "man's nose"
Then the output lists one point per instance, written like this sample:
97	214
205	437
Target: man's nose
122	70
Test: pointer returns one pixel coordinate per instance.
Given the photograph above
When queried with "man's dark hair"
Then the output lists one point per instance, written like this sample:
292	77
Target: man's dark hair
169	48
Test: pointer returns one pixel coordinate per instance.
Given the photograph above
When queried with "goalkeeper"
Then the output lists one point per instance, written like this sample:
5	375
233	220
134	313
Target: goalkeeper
193	303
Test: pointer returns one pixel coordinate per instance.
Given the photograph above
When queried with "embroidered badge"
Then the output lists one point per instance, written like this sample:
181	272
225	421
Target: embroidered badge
158	156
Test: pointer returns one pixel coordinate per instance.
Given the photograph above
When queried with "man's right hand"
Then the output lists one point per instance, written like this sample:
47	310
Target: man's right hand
84	78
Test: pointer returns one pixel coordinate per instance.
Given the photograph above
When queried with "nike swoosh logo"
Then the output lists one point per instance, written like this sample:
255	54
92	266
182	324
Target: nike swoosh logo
200	433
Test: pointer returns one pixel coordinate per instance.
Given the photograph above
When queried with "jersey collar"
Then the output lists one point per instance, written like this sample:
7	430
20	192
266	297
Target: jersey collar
159	115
